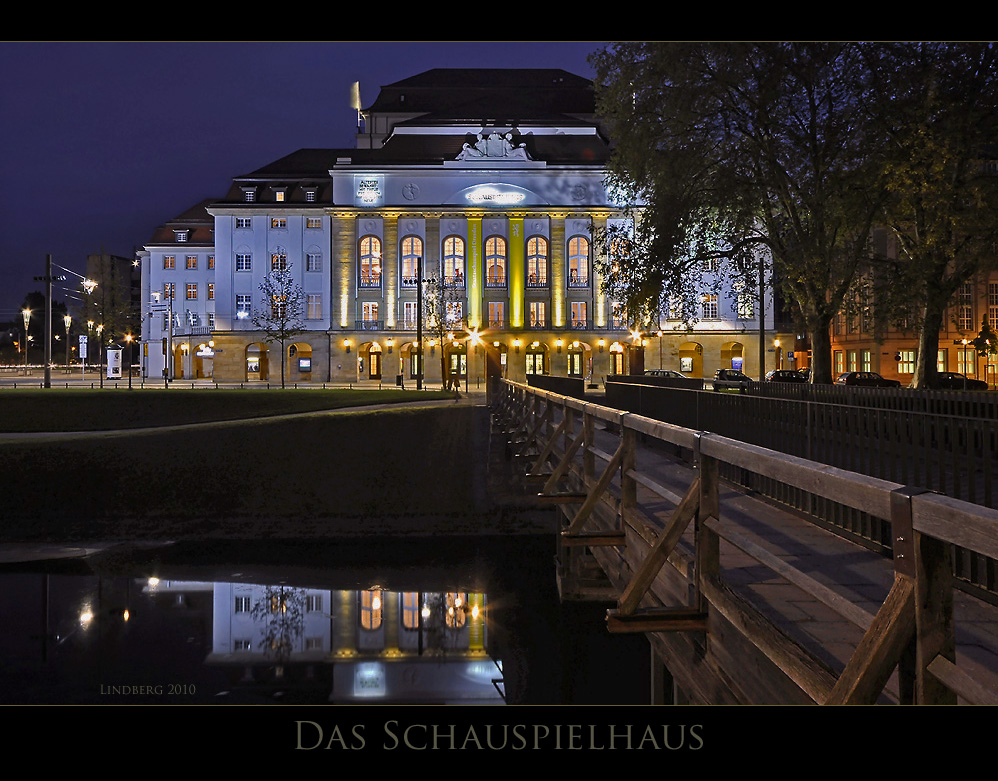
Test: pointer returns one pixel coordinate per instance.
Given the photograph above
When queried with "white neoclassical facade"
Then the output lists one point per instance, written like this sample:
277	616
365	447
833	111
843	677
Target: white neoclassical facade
488	183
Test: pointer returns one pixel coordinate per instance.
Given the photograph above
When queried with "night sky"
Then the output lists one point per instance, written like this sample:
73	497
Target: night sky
102	142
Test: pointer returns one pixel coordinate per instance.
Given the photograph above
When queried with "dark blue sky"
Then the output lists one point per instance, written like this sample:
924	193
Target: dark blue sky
102	142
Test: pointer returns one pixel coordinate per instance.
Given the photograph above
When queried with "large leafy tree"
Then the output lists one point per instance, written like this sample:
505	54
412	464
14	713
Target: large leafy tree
735	148
943	192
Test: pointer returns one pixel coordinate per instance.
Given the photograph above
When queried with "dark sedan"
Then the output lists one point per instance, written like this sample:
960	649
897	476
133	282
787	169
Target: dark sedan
785	375
866	380
731	375
957	381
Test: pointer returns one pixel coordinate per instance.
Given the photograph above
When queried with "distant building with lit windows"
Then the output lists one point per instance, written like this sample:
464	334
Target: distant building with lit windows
489	181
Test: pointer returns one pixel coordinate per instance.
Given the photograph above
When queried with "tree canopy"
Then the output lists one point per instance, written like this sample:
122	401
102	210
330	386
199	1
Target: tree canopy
735	148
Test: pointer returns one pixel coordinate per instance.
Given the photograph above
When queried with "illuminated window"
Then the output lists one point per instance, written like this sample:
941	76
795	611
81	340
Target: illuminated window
453	258
456	604
278	222
578	261
497	312
840	365
370	609
279	196
907	363
313	306
370	261
279	307
168	290
169	262
313	222
965	307
744	303
278	261
409	315
455	313
192	291
211	291
242	306
410	252
369	311
537	262
410	609
866	361
941	361
709	305
211	261
579	319
495	261
192	262
536	312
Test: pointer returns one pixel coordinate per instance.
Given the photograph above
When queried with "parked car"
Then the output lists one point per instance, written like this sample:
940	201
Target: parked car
957	381
866	380
731	375
785	375
665	373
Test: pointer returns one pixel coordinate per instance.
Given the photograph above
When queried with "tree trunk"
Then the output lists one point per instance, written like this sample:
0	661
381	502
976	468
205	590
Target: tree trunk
821	350
926	369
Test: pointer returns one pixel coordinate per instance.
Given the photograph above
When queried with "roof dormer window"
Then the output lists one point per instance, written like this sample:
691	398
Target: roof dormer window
280	193
249	194
181	235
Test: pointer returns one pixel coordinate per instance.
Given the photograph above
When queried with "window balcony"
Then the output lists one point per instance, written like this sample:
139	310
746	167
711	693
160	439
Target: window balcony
580	325
369	325
369	280
495	279
454	280
537	280
537	324
575	279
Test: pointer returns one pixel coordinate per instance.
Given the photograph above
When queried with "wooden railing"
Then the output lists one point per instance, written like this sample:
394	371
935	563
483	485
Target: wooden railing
664	567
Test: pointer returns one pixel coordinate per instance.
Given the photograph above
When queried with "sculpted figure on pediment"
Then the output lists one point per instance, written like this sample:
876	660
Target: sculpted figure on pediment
495	146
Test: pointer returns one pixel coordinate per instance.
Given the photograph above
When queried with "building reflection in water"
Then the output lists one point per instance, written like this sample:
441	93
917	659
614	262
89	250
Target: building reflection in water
369	645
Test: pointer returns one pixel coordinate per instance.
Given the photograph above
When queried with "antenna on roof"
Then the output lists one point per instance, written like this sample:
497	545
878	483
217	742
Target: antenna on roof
355	100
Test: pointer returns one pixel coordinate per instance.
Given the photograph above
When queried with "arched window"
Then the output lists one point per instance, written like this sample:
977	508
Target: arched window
453	257
411	249
456	604
578	261
495	261
537	261
370	262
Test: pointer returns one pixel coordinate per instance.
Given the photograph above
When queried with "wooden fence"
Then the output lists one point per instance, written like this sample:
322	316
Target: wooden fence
951	455
664	566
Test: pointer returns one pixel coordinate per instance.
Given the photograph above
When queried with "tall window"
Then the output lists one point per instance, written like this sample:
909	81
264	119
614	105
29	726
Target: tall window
278	222
495	261
454	313
579	319
453	258
840	364
242	306
410	609
169	262
168	290
409	315
313	261
497	314
211	291
744	303
965	307
313	309
278	260
279	307
370	609
907	363
537	262
192	262
192	291
536	311
370	261
244	262
411	250
578	261
710	306
993	304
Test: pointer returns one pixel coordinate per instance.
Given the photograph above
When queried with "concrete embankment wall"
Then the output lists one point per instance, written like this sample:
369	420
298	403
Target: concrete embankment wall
314	474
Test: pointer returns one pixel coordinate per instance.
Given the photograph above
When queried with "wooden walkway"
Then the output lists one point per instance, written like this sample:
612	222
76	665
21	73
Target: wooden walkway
742	600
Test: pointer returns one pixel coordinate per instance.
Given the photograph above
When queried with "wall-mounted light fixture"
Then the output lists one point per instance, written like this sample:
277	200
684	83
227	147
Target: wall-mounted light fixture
391	343
516	345
346	345
602	344
558	343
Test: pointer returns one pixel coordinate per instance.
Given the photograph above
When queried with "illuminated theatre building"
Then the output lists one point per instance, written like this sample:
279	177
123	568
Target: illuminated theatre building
489	182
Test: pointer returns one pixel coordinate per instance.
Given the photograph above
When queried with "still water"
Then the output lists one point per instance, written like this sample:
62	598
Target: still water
426	620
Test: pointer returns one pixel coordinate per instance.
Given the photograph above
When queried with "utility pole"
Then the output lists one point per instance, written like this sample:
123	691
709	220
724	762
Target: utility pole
48	279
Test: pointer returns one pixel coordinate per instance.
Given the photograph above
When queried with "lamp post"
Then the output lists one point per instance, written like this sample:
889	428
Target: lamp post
100	355
26	314
128	338
67	319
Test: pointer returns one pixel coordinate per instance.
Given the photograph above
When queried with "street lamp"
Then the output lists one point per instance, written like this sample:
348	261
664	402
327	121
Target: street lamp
128	338
26	313
100	355
67	319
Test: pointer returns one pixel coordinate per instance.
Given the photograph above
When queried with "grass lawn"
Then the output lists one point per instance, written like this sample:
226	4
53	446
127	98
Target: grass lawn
25	410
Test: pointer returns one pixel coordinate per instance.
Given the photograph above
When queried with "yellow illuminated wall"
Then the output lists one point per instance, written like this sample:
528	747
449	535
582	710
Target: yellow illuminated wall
516	272
474	272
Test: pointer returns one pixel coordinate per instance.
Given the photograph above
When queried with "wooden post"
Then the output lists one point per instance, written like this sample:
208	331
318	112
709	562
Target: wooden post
708	550
934	631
